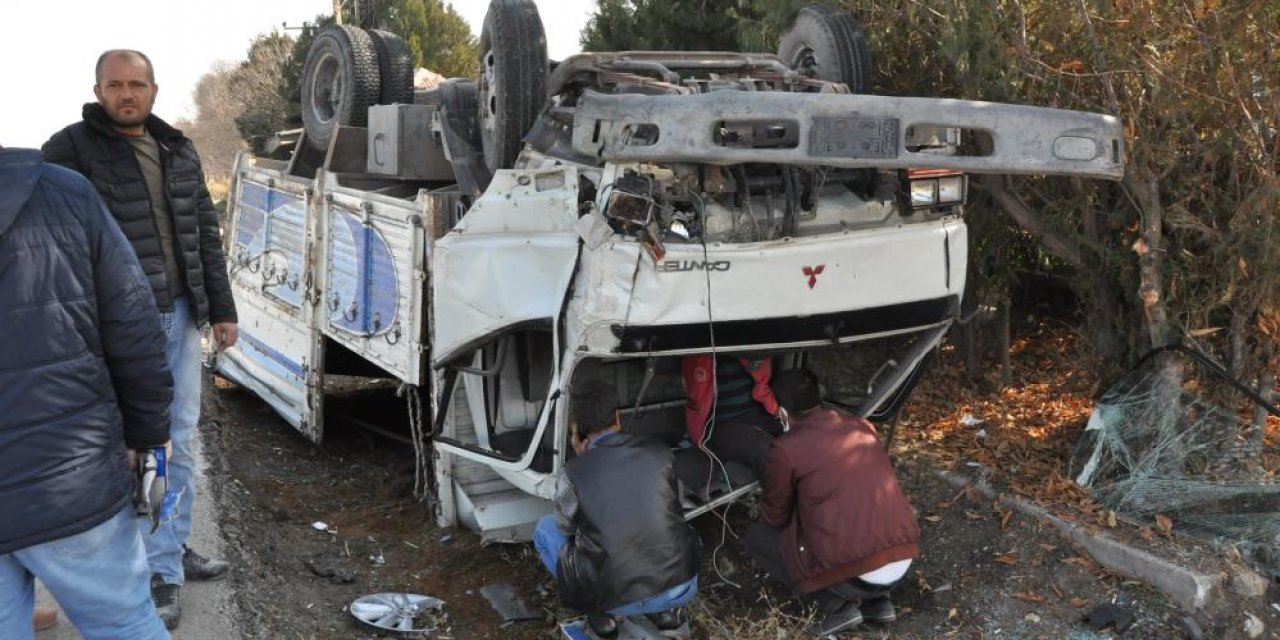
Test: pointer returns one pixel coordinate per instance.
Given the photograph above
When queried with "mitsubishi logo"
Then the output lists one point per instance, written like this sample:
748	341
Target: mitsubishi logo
813	273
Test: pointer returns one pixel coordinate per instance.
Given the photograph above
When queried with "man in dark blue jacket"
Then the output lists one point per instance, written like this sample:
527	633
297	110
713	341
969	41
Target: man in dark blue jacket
83	382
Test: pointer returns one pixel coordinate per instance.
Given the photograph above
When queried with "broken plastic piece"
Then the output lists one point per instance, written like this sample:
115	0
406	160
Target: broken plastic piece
507	603
1110	614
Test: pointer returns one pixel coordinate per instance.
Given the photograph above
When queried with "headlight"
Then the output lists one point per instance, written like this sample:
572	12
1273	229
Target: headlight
951	190
936	187
923	193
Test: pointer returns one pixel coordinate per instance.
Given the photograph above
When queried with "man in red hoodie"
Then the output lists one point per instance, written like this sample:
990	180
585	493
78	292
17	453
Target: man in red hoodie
730	409
834	524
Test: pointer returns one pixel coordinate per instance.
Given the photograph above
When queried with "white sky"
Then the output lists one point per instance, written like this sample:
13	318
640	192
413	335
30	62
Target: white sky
48	48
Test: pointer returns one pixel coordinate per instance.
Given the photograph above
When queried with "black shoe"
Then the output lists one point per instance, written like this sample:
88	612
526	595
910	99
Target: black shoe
879	610
165	597
198	567
603	625
666	620
846	617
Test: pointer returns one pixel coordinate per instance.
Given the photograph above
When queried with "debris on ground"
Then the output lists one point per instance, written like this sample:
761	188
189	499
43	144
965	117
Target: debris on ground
1174	442
1190	627
507	603
331	568
1253	627
1117	616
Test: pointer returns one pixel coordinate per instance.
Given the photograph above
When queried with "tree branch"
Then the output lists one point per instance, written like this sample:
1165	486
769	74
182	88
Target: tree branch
1062	248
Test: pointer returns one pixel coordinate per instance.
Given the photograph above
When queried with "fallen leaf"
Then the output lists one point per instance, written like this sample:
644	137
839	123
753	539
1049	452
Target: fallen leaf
973	516
1146	533
933	518
1164	524
1028	596
1004	520
1031	617
1078	602
1047	548
1111	519
953	614
1007	559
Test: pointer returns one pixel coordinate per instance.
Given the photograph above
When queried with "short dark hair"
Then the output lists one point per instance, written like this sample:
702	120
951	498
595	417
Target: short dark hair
593	404
97	69
797	390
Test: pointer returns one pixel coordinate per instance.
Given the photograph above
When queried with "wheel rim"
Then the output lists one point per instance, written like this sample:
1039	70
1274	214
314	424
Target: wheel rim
488	93
326	88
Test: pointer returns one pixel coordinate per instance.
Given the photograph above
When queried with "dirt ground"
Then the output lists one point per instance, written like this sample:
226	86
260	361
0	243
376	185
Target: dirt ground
984	573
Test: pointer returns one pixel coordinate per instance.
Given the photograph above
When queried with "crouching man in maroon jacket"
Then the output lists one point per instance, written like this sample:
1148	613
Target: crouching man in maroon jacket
835	526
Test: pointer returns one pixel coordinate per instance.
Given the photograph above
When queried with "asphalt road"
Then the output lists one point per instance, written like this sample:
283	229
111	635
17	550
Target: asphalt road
208	612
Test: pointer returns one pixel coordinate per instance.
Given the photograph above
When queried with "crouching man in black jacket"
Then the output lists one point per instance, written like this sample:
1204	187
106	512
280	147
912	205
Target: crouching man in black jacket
618	544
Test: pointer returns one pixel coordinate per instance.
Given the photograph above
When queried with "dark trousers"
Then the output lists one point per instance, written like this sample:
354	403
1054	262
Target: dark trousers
764	545
744	439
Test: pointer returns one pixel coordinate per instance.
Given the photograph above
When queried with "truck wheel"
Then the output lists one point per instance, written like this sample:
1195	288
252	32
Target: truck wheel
828	44
513	78
339	82
395	67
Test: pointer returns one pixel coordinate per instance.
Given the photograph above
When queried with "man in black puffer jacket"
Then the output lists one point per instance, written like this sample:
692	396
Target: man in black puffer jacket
618	543
82	380
149	175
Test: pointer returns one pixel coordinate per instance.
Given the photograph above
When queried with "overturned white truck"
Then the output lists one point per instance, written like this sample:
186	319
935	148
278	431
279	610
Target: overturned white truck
489	243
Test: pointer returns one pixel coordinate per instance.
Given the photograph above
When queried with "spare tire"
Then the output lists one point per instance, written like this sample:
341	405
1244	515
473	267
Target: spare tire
395	67
513	78
828	44
339	82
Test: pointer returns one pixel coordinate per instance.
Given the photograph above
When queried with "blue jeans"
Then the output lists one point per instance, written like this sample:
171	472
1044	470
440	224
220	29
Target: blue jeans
99	577
182	351
548	540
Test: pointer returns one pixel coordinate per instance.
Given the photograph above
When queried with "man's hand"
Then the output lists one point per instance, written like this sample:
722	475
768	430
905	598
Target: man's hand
224	335
133	455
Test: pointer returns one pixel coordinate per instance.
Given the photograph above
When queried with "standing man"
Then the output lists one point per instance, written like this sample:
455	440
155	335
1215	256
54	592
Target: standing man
150	177
834	525
83	379
617	544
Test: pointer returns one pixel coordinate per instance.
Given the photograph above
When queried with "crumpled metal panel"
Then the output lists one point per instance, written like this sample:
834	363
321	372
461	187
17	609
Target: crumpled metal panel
508	261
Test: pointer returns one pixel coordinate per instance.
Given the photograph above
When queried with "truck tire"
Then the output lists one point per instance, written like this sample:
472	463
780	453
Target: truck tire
395	67
513	78
339	82
828	44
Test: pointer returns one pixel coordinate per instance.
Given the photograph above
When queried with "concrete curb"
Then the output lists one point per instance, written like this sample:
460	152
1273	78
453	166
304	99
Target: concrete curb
1191	590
